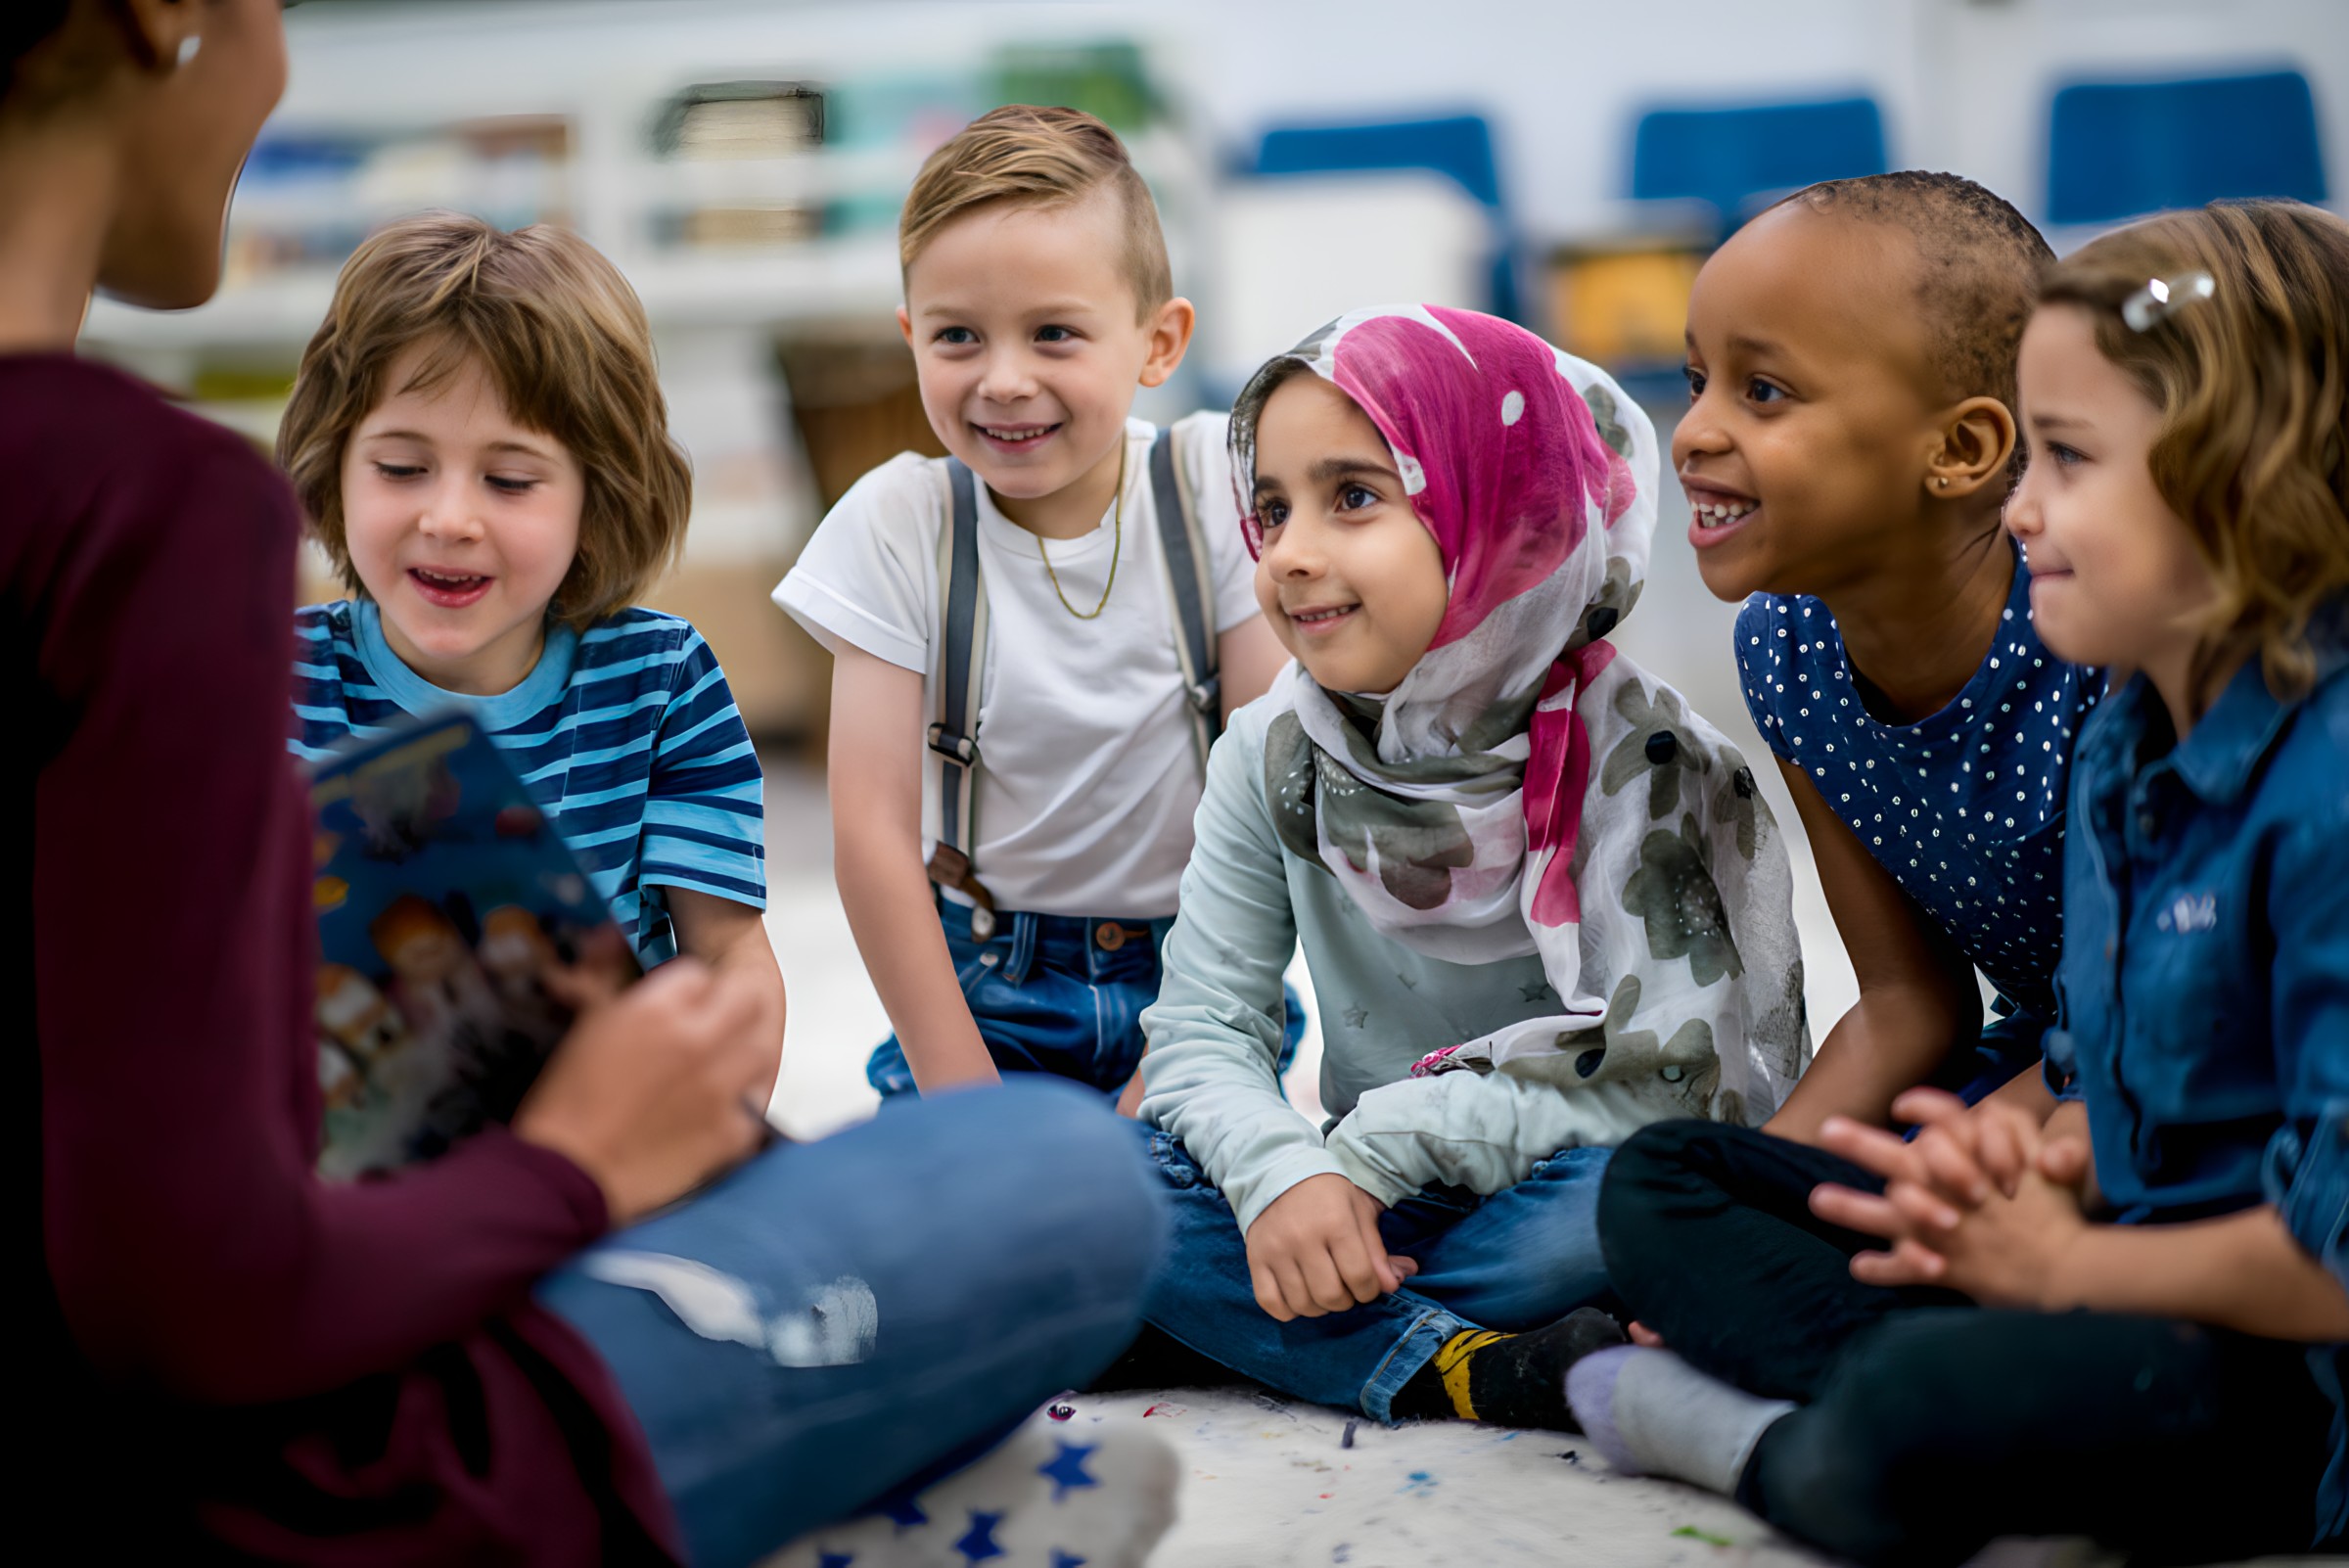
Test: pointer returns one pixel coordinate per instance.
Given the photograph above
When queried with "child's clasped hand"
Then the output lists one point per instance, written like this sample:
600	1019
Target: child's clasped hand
1982	1200
1317	1250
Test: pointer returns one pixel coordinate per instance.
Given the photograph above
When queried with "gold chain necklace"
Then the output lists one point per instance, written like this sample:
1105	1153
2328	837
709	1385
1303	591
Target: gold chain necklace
1117	523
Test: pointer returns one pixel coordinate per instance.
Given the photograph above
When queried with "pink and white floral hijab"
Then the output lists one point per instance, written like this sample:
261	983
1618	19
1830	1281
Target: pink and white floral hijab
1526	788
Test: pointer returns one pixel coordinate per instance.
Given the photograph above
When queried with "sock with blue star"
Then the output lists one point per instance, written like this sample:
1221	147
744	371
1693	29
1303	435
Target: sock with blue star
1076	1492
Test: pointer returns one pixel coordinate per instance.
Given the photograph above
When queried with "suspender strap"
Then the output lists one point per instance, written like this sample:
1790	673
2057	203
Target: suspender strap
1192	593
962	664
963	658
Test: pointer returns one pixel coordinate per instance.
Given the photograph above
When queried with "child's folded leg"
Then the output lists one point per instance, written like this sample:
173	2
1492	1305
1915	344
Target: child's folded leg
1710	1241
1202	1296
1944	1428
1525	1263
1522	1258
1516	1262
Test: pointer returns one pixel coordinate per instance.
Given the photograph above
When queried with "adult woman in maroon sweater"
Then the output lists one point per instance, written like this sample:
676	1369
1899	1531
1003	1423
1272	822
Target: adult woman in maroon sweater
229	1357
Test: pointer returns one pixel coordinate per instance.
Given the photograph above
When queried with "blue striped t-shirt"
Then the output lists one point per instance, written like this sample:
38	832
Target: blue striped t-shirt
625	733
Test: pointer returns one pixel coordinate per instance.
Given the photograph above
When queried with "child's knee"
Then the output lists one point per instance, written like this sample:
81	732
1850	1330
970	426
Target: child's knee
1660	1159
1076	1145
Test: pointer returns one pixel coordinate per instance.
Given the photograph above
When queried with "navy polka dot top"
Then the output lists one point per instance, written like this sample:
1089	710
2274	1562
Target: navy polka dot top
1965	807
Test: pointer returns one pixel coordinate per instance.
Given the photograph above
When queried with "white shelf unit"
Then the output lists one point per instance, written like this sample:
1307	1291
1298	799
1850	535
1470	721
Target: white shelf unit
606	73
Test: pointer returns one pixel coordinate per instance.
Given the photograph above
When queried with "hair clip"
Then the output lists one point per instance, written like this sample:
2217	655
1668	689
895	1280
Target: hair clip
2152	304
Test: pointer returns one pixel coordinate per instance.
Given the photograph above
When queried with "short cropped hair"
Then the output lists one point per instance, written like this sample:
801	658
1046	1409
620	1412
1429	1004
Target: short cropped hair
2253	387
1032	156
564	340
1981	264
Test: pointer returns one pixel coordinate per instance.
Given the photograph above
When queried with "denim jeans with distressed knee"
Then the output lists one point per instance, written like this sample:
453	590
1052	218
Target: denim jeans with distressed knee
835	1316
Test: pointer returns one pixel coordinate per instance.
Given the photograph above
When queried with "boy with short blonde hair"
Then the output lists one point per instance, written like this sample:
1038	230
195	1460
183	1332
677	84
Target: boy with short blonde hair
1062	607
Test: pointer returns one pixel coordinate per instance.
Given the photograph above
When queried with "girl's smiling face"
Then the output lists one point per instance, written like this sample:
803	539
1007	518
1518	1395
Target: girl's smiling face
461	523
1351	581
2116	576
1815	418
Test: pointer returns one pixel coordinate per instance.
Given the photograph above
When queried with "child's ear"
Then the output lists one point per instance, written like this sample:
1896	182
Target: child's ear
905	326
1977	441
1170	340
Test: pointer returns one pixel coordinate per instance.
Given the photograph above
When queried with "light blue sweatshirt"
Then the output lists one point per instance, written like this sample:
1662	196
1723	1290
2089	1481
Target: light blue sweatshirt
1215	1031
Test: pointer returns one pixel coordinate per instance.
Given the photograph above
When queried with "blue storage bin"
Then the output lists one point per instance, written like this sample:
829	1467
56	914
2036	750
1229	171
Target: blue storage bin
1731	158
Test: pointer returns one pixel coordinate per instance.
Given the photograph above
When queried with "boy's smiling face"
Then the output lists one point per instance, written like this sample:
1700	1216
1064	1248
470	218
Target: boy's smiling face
1811	419
461	523
1030	341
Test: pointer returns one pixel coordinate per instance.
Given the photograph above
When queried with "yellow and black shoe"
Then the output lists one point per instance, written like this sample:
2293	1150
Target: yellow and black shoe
1509	1379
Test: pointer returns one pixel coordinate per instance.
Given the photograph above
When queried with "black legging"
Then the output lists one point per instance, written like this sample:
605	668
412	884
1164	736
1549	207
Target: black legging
1931	1426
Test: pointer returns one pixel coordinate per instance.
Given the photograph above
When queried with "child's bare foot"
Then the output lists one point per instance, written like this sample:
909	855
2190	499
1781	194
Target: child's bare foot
1644	1336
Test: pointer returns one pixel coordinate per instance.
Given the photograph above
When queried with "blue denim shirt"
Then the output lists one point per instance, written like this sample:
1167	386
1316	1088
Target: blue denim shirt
2204	984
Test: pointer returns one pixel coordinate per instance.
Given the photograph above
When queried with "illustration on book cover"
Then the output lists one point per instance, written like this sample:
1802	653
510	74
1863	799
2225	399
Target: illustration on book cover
444	897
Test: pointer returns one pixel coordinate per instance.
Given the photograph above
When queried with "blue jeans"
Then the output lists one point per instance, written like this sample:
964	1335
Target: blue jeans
1057	993
834	1317
1514	1261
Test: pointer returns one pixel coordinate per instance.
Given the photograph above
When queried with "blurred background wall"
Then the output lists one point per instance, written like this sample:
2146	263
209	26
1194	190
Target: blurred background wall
1565	163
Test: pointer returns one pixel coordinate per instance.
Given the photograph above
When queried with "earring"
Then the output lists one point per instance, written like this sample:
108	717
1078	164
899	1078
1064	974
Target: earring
188	48
1941	484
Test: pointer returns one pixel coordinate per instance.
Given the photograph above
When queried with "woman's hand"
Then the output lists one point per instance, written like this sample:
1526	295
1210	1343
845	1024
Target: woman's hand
654	1090
1317	1250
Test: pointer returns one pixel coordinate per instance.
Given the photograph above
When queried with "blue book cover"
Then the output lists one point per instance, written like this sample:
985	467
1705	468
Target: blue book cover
444	895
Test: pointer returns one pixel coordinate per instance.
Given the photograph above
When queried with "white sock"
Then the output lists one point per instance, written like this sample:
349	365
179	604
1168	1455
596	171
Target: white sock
1085	1490
1652	1413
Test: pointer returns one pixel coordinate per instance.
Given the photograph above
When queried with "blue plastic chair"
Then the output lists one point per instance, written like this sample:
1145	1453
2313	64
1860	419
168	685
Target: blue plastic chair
2120	148
1459	146
1728	158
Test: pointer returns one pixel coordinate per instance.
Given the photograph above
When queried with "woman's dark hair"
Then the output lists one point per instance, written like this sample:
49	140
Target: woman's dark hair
25	25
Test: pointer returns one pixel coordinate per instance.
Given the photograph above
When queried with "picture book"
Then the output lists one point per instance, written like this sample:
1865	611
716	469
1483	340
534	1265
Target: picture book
444	895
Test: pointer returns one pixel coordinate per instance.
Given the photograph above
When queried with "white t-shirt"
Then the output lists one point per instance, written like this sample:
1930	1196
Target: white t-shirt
1087	770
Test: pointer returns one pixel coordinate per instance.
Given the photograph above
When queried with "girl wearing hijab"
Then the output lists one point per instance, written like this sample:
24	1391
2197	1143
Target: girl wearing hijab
1541	898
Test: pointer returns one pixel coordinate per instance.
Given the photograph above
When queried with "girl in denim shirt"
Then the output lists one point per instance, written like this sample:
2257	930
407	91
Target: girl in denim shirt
2128	1321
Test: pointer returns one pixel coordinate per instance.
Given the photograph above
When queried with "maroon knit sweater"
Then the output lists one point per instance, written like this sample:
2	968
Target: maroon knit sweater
229	1355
